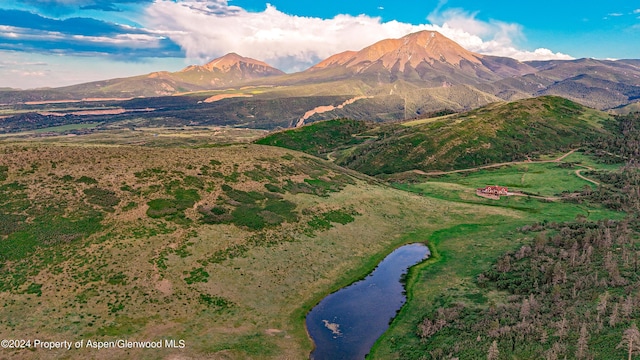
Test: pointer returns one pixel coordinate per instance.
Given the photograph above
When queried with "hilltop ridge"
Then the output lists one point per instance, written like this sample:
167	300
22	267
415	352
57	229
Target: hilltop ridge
243	67
496	133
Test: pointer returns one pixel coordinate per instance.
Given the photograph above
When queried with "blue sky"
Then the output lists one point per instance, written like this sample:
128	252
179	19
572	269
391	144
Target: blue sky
63	42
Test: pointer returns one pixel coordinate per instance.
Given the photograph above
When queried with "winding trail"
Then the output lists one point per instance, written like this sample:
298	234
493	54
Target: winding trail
557	160
578	173
496	165
548	198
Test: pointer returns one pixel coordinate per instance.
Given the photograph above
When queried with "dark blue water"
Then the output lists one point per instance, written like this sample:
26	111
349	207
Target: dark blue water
345	324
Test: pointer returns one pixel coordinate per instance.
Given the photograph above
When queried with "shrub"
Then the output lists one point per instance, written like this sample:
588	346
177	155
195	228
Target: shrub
4	172
248	216
101	197
10	223
215	215
87	180
34	289
193	181
339	217
284	208
273	188
161	207
118	279
130	206
197	275
242	196
215	301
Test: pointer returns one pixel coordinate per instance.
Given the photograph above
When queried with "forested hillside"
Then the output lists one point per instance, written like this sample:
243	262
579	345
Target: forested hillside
500	132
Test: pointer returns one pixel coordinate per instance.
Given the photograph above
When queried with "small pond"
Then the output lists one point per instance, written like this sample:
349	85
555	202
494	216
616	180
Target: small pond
346	324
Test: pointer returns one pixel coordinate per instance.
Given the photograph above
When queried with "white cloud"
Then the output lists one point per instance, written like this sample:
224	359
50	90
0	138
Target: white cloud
131	40
13	63
636	11
539	54
210	28
30	73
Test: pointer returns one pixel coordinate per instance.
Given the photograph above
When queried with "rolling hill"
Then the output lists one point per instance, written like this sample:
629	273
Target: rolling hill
601	84
496	133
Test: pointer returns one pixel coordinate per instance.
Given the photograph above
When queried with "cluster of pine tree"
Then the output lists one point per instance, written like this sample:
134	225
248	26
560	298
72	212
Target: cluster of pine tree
623	144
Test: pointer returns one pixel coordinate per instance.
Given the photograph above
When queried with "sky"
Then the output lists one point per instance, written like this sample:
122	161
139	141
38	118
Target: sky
51	43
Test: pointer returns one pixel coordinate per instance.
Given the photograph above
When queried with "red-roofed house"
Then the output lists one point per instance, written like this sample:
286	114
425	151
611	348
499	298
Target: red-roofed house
493	192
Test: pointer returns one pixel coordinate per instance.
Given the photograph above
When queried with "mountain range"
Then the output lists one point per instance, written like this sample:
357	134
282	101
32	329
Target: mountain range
393	79
425	58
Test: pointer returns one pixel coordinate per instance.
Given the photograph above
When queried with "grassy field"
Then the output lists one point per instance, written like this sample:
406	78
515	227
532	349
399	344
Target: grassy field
129	133
581	159
64	128
548	180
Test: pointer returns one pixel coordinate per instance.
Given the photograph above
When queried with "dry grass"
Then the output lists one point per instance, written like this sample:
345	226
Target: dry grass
118	134
128	280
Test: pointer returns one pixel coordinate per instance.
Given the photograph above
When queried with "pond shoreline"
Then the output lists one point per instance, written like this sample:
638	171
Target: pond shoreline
299	314
350	319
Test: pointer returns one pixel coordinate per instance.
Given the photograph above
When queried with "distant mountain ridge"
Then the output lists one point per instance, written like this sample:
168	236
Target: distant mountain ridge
410	50
228	69
401	78
225	71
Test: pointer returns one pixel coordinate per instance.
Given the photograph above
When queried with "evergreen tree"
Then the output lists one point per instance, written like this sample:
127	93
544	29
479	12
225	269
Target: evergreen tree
493	352
631	340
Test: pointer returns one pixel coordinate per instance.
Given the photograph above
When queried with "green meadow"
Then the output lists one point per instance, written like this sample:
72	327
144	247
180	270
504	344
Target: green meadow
462	252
